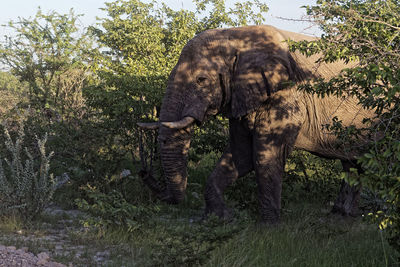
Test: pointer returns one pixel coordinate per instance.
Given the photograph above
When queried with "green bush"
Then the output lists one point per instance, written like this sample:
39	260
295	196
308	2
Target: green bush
12	92
212	137
243	194
110	211
26	186
199	168
311	177
48	54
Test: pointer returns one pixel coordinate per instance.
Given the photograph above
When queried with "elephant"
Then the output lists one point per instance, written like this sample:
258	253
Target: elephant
249	75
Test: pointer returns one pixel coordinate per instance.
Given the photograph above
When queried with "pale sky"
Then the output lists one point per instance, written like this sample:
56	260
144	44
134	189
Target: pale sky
13	9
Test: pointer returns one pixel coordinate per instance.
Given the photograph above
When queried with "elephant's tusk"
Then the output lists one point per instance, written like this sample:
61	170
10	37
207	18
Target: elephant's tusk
183	123
149	125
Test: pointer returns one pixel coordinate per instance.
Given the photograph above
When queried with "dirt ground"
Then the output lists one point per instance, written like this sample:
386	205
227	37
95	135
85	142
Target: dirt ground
10	256
53	240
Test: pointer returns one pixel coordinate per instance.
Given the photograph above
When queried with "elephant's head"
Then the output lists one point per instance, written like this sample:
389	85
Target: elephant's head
224	70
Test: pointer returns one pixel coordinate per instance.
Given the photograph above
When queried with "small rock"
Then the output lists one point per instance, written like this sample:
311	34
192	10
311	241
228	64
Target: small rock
41	262
101	256
48	238
125	173
43	256
11	248
20	251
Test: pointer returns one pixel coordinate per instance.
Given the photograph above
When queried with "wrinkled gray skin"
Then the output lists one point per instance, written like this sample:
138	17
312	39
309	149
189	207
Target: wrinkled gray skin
248	75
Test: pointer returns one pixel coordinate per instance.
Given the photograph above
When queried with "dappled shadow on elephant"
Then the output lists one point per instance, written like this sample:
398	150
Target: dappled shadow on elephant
248	75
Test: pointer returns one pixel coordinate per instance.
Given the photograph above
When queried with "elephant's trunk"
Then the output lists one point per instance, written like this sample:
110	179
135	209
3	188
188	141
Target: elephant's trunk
174	149
174	146
174	141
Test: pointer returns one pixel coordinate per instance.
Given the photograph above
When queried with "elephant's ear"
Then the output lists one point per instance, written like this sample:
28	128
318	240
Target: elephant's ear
257	74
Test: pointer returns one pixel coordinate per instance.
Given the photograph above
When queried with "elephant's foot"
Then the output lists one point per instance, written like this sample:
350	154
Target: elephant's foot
270	217
345	209
219	210
346	203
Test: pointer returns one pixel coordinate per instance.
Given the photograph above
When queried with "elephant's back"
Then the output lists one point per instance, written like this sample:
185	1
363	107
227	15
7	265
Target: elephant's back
296	36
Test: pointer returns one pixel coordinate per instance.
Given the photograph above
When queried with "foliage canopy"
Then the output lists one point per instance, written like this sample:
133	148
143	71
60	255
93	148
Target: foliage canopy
48	53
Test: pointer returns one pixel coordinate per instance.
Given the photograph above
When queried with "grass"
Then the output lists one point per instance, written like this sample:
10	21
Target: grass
10	224
307	236
307	240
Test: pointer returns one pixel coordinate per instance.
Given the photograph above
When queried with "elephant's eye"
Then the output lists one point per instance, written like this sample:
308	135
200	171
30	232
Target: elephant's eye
201	80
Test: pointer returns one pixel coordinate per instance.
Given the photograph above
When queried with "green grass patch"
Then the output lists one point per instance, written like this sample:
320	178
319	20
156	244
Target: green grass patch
307	237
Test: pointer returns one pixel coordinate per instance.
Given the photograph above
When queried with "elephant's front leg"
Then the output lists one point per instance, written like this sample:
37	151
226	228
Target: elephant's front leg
235	162
224	174
273	141
269	168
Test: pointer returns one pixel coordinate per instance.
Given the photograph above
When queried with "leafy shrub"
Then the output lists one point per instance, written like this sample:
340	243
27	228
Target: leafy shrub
111	210
311	177
25	188
198	171
12	91
53	69
213	136
243	194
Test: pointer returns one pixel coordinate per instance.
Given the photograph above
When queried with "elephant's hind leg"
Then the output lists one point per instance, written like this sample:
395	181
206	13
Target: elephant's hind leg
346	202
